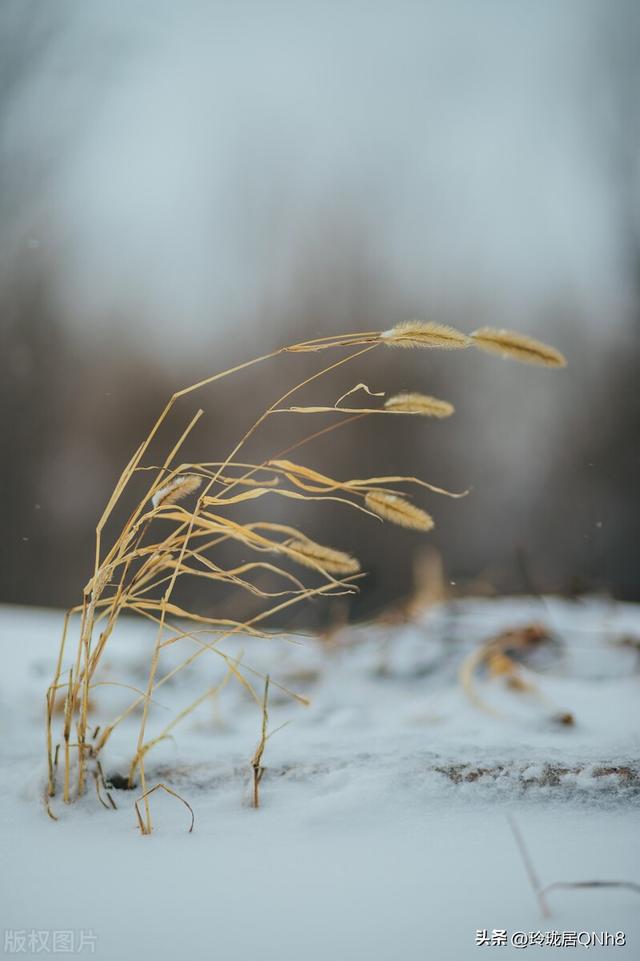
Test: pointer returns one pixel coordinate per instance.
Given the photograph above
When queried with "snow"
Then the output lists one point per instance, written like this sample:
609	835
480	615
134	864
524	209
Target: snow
383	831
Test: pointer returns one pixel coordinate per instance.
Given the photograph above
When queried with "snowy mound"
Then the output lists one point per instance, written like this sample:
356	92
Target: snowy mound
383	827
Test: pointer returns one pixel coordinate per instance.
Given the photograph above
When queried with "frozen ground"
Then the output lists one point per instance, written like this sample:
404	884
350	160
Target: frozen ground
383	832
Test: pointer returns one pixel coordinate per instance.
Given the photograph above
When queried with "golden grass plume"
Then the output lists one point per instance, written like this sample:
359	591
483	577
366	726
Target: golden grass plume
181	486
421	404
392	507
313	555
420	333
507	343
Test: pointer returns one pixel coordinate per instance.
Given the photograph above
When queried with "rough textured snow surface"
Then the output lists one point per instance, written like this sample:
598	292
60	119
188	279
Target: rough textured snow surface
384	828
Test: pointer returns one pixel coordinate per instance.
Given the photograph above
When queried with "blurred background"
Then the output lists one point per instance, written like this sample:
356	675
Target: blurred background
186	185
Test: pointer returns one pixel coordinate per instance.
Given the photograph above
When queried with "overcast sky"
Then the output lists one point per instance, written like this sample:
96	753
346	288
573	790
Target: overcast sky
176	158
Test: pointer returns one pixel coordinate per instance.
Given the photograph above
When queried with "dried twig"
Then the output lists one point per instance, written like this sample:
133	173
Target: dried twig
145	828
529	868
564	885
541	892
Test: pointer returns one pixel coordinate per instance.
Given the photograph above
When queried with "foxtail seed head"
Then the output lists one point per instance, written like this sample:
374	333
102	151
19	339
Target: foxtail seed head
312	554
176	489
418	333
392	507
507	343
420	404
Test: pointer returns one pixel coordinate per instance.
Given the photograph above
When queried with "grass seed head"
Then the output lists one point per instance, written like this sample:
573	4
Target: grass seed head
392	507
312	554
418	333
420	404
506	343
176	489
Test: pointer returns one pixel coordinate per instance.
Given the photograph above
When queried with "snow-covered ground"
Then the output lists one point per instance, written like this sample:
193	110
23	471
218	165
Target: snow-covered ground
384	827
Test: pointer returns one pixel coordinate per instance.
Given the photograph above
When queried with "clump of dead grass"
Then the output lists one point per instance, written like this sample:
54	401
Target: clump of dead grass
501	657
170	534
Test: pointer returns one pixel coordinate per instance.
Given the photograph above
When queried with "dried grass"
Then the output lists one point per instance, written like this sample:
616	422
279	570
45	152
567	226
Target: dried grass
541	891
164	539
421	334
330	560
419	404
175	490
256	761
498	656
392	507
506	343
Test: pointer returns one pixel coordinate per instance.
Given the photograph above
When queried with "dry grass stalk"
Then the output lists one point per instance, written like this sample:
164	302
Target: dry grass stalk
421	404
98	776
497	656
418	333
256	760
210	693
529	868
506	343
404	403
392	507
542	892
585	885
136	575
430	585
144	829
